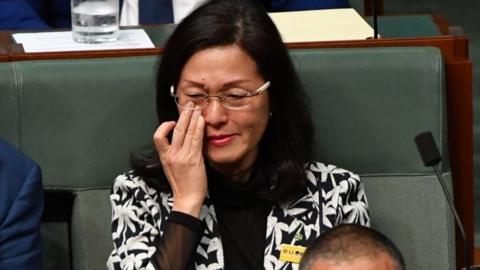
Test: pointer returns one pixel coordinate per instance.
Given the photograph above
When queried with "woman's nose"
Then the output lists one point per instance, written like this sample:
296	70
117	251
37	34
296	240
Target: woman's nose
215	113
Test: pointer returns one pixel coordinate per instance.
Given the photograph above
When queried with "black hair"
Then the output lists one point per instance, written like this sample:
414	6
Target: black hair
287	142
347	242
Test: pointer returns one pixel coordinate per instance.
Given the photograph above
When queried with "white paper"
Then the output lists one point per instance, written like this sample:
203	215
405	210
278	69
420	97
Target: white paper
321	25
63	41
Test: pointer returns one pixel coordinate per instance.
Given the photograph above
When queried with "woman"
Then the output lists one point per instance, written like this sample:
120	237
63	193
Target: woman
230	184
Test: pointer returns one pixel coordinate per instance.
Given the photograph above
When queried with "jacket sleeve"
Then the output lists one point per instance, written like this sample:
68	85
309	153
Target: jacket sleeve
20	14
292	5
20	241
176	247
341	194
137	219
355	206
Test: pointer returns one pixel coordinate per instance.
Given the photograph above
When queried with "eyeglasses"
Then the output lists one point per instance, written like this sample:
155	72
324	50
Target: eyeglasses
234	98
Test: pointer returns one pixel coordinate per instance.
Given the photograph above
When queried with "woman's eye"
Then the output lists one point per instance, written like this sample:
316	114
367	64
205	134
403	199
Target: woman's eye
236	95
195	95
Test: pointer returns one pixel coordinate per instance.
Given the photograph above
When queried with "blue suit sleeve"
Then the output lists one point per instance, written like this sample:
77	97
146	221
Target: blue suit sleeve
20	14
20	241
293	5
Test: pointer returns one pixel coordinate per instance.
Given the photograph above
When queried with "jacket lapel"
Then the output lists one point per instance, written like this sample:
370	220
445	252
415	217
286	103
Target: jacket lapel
296	224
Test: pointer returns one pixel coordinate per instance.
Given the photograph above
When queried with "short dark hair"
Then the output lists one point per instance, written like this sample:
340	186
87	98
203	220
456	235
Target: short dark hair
350	241
287	142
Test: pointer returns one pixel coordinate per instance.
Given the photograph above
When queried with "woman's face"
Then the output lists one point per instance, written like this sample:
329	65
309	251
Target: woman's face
231	136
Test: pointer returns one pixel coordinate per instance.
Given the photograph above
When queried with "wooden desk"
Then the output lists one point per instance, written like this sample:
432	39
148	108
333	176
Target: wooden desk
158	34
389	26
4	41
458	68
3	55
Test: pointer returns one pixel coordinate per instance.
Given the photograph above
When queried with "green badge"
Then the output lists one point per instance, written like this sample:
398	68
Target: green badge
298	236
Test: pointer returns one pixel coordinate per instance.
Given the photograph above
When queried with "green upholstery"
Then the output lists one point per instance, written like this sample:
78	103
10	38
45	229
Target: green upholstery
358	5
367	122
91	228
8	103
56	245
406	26
415	215
159	34
80	118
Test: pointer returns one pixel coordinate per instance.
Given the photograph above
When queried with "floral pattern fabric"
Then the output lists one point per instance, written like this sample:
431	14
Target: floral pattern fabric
333	196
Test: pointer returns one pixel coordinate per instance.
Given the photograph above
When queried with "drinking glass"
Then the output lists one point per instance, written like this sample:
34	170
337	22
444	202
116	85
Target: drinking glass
94	21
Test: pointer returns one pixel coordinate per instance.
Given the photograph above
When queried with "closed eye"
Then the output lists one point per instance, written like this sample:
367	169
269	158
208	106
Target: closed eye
195	95
235	96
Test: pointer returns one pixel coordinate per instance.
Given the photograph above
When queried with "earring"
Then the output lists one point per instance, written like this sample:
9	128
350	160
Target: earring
270	114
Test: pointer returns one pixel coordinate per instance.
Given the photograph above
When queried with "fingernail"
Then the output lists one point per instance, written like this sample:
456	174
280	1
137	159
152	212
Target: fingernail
189	104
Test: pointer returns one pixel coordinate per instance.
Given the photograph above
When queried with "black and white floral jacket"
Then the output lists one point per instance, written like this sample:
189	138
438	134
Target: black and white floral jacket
334	196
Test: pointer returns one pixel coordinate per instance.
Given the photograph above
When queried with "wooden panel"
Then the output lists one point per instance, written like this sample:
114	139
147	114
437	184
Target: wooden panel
157	33
442	23
4	41
17	54
3	55
450	46
460	119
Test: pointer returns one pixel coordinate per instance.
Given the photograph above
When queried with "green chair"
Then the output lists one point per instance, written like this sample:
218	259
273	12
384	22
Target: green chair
79	119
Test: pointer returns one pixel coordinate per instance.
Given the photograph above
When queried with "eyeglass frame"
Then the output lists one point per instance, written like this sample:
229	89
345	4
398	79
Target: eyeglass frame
221	97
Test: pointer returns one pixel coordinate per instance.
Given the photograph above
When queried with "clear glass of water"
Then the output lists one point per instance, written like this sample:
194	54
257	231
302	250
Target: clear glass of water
94	21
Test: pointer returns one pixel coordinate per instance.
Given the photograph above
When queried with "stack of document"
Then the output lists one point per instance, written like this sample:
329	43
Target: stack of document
63	41
321	25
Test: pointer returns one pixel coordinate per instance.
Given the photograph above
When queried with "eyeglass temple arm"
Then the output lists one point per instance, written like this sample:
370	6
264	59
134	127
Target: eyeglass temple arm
263	88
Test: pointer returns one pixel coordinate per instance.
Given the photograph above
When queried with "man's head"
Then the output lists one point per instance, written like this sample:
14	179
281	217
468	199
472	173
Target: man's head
349	247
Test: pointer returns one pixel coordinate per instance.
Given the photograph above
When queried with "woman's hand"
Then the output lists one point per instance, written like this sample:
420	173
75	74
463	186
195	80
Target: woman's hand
182	160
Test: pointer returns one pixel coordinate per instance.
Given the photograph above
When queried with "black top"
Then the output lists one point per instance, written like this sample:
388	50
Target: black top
242	218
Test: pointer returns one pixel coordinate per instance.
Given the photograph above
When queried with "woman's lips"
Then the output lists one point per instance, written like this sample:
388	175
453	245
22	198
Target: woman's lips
220	140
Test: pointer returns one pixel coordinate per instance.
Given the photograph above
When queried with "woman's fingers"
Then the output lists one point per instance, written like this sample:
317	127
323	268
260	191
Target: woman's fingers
197	140
182	127
182	160
160	137
192	127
